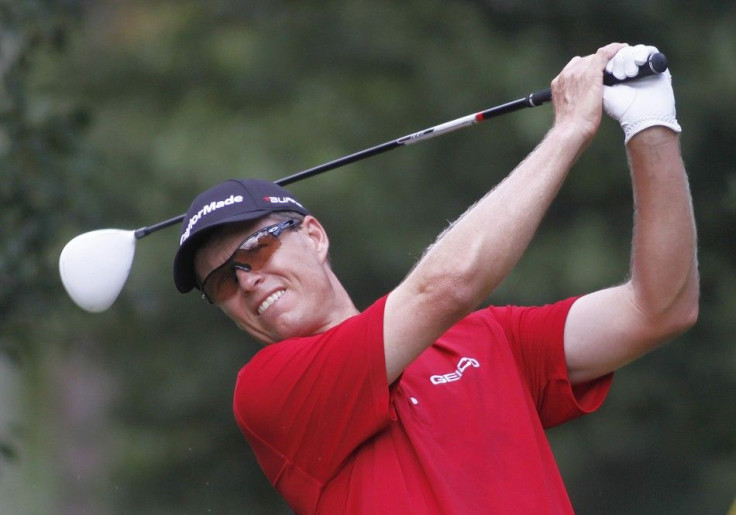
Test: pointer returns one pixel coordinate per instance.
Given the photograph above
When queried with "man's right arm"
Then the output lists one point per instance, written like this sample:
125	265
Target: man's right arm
478	251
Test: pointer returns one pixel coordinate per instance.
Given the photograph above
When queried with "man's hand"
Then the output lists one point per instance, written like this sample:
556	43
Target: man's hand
578	89
643	103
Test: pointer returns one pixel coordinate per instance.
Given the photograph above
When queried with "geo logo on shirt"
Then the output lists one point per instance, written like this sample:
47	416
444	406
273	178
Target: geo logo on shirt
462	365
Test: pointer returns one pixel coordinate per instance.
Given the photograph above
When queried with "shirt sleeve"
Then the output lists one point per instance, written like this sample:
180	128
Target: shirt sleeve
309	402
536	336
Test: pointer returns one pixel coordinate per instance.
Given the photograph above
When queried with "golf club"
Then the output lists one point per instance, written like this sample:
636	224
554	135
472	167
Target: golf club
95	265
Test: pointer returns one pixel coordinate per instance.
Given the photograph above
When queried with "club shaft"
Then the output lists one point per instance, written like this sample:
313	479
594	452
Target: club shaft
145	231
657	63
409	139
533	100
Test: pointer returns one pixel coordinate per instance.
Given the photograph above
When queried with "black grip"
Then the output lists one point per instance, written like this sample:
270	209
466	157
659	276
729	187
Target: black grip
657	63
539	97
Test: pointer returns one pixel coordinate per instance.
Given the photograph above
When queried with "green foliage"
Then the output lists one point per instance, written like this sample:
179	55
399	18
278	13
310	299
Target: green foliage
119	120
37	149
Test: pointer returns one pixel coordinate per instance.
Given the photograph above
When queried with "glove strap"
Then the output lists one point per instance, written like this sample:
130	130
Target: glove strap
633	128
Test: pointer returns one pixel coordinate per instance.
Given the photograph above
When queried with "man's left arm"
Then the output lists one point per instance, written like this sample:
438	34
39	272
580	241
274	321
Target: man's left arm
610	328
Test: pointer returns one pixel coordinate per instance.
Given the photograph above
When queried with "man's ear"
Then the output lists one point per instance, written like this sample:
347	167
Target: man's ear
317	236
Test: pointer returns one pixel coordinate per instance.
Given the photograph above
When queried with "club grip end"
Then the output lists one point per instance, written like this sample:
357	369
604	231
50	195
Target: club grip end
657	63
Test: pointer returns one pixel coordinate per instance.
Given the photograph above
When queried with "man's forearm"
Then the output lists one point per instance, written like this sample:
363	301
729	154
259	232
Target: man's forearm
476	253
493	234
664	264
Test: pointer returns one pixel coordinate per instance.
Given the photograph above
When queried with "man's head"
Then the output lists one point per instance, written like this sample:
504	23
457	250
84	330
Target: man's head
227	203
257	253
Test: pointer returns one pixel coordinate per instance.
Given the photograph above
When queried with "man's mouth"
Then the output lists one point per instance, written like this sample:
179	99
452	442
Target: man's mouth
270	301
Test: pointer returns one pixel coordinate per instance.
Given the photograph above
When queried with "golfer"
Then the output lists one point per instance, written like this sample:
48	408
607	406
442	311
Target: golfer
421	403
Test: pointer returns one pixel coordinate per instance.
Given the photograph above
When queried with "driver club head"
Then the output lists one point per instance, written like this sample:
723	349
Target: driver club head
95	265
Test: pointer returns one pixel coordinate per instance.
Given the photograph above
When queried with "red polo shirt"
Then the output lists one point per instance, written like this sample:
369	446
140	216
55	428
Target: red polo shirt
461	431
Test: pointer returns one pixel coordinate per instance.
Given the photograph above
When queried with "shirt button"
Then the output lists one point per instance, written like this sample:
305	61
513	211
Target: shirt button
414	401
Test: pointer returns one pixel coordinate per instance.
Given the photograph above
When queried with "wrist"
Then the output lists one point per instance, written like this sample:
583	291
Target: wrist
570	134
653	136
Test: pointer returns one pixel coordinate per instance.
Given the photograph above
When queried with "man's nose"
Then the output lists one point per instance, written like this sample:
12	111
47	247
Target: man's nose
247	279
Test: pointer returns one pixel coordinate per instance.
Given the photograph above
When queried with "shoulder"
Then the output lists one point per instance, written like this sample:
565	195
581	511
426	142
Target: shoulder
344	353
363	326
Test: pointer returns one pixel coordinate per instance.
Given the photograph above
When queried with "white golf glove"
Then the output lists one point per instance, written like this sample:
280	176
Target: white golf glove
642	103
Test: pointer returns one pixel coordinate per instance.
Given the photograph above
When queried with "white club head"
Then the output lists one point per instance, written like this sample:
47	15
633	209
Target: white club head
95	265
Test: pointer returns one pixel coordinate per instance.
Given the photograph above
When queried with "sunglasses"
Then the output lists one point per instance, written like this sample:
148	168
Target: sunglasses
250	256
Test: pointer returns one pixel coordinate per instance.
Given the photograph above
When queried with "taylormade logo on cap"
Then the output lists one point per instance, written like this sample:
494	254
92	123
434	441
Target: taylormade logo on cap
207	209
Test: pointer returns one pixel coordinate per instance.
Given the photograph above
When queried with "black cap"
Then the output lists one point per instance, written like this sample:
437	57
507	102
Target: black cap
231	201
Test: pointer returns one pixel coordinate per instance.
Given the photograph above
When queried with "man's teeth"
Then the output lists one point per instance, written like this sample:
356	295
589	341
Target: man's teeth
269	301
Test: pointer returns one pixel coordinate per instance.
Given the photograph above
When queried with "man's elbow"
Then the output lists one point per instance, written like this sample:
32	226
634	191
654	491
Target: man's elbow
690	318
669	311
689	303
681	316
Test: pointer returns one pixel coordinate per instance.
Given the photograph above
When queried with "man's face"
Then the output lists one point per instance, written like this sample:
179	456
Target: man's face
288	294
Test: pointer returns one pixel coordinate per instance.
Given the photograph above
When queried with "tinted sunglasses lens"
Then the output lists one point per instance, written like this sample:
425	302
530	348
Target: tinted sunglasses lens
254	253
222	283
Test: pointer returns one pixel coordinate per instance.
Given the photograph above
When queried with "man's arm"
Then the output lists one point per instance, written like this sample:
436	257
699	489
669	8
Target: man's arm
477	252
607	329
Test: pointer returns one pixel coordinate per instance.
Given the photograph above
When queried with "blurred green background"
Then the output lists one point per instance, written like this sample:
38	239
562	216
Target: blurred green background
116	113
